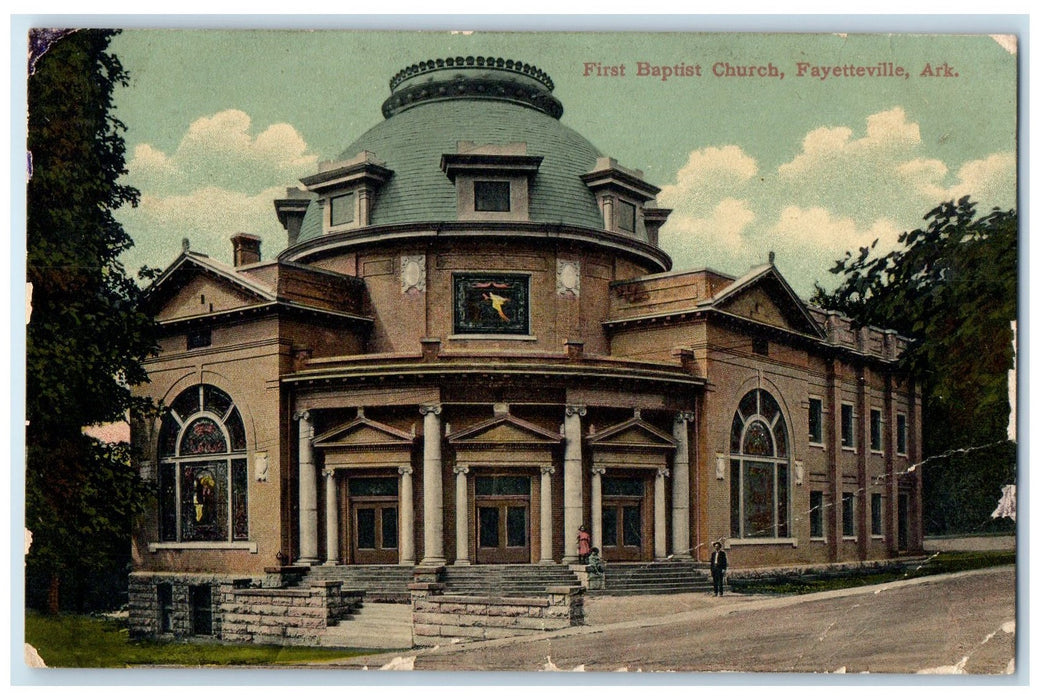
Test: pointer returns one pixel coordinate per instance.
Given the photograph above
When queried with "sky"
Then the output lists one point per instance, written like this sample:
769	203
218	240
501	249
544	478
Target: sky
808	166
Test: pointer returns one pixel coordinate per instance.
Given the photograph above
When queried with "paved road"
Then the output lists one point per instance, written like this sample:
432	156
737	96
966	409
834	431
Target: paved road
957	623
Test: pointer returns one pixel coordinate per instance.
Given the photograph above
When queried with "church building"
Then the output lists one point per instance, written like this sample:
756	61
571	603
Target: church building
472	346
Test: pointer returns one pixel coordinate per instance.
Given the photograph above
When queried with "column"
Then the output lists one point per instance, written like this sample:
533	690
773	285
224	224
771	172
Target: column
308	478
331	520
407	505
597	507
545	516
433	489
572	501
681	486
660	524
461	516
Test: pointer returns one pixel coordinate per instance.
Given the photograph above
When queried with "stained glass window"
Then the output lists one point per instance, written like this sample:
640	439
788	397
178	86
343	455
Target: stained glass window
759	488
203	493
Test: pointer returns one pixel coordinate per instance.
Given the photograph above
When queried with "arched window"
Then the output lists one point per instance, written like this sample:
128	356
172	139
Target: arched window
759	486
203	483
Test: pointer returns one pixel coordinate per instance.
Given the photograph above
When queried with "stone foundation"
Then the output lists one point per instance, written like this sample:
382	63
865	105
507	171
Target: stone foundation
444	619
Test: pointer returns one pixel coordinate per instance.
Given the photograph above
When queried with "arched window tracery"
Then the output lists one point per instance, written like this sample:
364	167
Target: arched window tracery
759	469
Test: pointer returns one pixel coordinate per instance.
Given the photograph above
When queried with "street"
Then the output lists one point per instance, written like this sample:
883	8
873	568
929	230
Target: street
954	623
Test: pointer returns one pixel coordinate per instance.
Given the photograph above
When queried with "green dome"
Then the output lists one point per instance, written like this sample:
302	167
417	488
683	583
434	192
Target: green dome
413	138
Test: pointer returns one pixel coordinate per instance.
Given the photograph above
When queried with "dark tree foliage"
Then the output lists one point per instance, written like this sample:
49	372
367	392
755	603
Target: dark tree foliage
952	287
86	335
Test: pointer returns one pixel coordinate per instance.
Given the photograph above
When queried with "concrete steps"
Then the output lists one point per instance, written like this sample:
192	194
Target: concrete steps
373	626
654	578
381	583
506	579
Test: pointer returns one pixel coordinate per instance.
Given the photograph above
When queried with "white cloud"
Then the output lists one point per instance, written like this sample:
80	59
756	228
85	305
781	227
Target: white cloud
708	175
990	181
818	229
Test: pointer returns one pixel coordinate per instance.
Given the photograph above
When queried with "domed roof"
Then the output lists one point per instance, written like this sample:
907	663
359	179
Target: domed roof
435	106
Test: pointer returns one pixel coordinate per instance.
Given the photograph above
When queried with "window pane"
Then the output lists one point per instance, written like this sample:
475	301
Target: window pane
383	486
236	430
366	528
626	214
168	436
490	196
633	531
610	538
815	420
759	503
204	514
187	403
768	406
875	514
780	434
491	303
503	486
875	430
816	513
734	434
389	516
167	502
901	434
239	500
342	209
848	514
734	498
622	486
215	400
516	526
488	525
757	440
749	404
781	501
203	437
846	426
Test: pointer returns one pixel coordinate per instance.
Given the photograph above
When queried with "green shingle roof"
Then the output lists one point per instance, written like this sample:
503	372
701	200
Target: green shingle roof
411	143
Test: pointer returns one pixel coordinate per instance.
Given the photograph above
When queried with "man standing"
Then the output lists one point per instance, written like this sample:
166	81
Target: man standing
718	567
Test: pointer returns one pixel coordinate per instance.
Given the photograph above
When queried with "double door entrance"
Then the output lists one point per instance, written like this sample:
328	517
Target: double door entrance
624	519
373	523
502	514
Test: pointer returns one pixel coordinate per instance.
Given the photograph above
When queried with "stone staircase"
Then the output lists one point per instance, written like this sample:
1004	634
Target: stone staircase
653	578
373	626
381	583
506	579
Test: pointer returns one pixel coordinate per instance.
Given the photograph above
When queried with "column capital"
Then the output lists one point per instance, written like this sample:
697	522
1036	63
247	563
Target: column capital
663	472
684	416
302	415
597	469
461	469
548	469
405	470
434	408
328	472
579	410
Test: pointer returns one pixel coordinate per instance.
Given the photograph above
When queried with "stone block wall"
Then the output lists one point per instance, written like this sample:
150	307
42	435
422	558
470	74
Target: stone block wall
442	619
146	615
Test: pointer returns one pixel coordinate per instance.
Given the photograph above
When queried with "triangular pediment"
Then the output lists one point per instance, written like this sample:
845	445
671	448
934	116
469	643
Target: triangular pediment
764	296
634	433
504	430
195	285
364	432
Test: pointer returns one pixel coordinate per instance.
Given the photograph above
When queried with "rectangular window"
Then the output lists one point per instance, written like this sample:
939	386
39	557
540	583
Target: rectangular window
760	346
626	216
848	514
200	339
875	430
875	514
490	195
848	433
900	434
816	421
341	209
491	303
201	598
816	514
165	594
204	501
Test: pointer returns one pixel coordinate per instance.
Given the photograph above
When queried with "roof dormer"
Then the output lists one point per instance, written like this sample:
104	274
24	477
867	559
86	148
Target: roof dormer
621	194
492	182
346	189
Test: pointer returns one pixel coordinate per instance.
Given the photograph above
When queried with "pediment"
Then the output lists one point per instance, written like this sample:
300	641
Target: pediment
504	430
632	434
363	432
194	285
766	297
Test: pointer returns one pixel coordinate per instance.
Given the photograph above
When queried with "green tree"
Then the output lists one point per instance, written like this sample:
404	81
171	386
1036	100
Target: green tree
87	335
951	286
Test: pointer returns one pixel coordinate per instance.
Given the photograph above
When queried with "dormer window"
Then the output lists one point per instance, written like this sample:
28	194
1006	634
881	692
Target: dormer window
626	216
492	182
622	194
491	195
346	191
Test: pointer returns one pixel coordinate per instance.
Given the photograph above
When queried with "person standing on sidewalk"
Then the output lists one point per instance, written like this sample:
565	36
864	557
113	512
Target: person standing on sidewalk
584	545
718	567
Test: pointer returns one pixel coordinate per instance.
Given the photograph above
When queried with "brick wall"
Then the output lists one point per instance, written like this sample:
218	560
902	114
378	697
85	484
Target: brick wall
440	619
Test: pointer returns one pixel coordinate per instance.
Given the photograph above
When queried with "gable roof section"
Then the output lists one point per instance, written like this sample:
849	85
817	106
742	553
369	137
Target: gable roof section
363	433
504	430
632	434
190	263
767	278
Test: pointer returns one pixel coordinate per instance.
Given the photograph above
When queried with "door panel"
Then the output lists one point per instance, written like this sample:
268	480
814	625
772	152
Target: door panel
624	518
375	532
503	531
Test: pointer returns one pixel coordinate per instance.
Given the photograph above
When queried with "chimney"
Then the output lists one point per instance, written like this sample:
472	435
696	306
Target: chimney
246	248
291	211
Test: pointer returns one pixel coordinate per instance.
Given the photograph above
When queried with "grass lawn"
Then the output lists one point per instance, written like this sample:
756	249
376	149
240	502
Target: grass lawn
83	641
943	563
